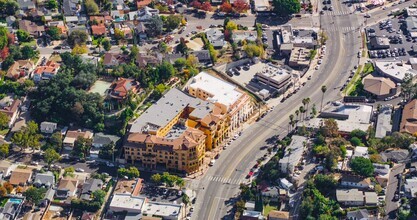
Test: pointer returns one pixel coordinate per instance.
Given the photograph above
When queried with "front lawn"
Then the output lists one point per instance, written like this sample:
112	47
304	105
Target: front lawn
30	44
268	208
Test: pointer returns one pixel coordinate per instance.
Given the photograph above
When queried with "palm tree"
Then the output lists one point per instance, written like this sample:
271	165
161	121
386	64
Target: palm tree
323	90
297	112
306	101
302	111
291	121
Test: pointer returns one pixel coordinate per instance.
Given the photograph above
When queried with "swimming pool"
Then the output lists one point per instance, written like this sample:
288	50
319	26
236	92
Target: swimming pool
16	200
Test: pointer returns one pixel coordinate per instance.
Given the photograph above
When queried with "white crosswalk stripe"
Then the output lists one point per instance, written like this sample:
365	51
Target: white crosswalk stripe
337	12
343	29
225	180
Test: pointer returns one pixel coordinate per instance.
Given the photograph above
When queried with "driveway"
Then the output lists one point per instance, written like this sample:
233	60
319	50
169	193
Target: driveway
391	206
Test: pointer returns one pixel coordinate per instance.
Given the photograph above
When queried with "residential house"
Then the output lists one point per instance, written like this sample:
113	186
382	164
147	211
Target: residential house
350	197
371	198
130	187
382	172
111	60
271	192
239	35
360	152
48	127
262	5
11	108
409	118
125	29
380	87
172	57
32	28
395	155
278	215
146	13
20	68
10	20
5	168
361	214
121	88
351	181
46	180
71	7
26	4
20	177
293	154
216	37
251	215
72	136
46	72
98	30
410	187
142	3
203	56
49	195
101	140
67	187
11	209
250	205
383	123
144	60
89	187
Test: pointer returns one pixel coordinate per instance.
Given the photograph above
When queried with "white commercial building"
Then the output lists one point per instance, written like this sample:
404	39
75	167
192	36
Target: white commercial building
396	70
293	154
348	117
226	96
165	210
127	202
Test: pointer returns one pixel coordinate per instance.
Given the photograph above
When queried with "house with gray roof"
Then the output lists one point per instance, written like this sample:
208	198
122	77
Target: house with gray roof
361	214
147	13
216	37
89	187
411	24
293	154
48	127
203	56
26	4
350	197
70	7
396	156
10	20
101	139
46	180
383	124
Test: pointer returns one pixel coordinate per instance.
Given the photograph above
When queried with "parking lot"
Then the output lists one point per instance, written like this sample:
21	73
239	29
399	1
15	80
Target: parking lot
161	194
401	45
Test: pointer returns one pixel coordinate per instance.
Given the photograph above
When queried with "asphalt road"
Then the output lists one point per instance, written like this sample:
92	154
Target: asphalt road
215	200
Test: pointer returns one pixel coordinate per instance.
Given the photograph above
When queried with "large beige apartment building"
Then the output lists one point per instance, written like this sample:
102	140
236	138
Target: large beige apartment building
178	129
224	95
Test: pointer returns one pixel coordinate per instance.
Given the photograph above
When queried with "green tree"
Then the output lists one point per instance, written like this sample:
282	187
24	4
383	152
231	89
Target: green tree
69	171
182	47
4	120
3	37
172	22
4	150
82	147
106	44
51	156
107	151
8	7
77	37
131	173
285	8
52	4
231	25
99	196
134	52
119	35
252	50
325	183
362	166
23	36
54	32
330	128
34	195
28	52
154	26
356	141
156	178
91	7
28	136
323	90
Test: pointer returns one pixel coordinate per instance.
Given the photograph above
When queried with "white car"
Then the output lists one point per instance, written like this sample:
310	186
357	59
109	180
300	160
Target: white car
34	163
79	170
319	61
212	162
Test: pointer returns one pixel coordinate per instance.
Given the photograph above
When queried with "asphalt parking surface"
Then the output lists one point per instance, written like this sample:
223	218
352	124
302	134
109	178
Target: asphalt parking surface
161	194
399	32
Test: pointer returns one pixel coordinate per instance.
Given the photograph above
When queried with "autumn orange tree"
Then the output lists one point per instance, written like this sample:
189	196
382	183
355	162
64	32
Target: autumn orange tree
240	6
226	7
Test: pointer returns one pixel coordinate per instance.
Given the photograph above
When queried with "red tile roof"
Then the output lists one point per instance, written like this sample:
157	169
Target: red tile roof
98	29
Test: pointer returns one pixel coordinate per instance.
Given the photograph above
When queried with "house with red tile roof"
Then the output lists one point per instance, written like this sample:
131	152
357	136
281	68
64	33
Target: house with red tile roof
46	72
142	3
98	30
121	88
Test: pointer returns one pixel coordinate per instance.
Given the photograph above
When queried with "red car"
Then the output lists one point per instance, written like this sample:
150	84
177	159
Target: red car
250	174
